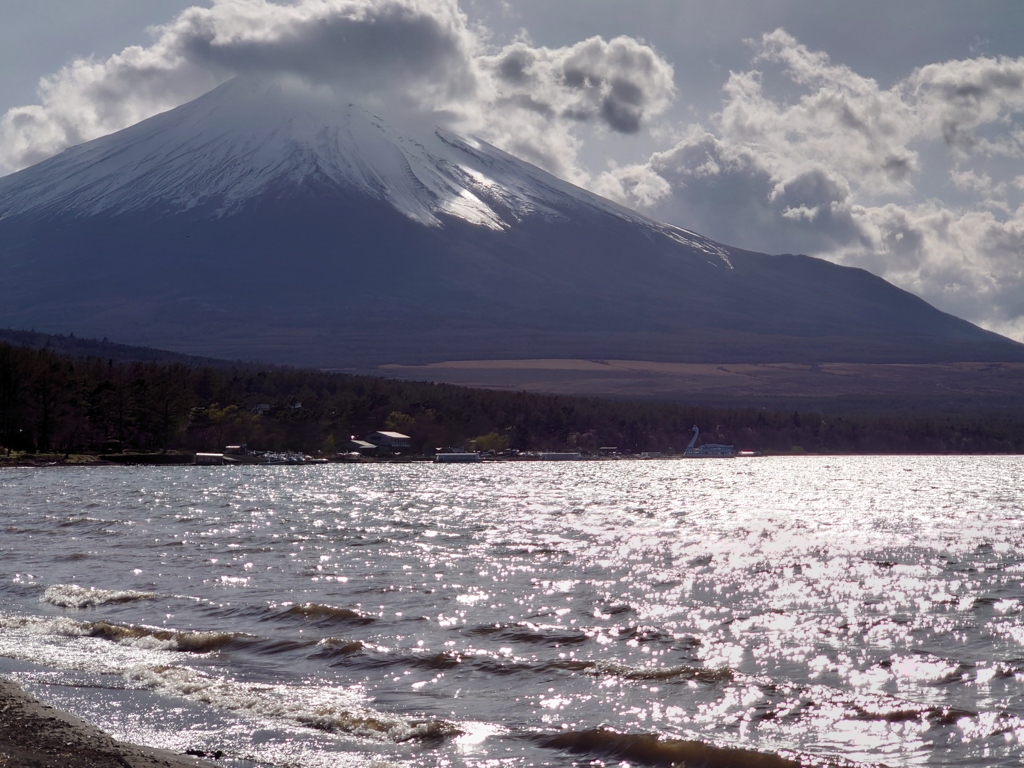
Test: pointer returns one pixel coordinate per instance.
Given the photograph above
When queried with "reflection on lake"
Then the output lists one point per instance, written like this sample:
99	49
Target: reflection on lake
822	611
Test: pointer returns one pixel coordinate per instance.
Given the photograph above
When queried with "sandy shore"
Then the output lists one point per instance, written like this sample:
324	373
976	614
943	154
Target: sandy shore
34	735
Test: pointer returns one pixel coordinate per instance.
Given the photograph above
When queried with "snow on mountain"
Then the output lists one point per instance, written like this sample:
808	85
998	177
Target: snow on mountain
264	221
235	143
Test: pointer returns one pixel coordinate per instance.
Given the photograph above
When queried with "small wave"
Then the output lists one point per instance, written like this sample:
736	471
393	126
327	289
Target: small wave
63	643
74	557
270	647
531	633
902	714
42	626
529	550
649	749
135	636
645	634
616	609
628	672
334	647
437	661
162	639
229	612
377	660
343	653
505	667
74	521
325	614
333	710
664	674
74	596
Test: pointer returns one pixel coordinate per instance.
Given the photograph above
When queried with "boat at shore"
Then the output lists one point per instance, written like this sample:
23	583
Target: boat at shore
456	457
708	450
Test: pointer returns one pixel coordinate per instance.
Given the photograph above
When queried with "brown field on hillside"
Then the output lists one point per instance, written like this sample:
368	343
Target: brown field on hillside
998	385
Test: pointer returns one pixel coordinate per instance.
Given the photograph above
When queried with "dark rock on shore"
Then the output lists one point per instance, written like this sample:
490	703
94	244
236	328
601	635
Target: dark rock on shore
34	735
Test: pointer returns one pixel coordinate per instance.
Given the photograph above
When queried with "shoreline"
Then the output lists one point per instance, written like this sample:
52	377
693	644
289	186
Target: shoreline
36	735
87	461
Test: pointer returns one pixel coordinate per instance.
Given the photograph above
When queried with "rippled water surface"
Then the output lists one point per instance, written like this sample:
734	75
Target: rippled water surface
751	612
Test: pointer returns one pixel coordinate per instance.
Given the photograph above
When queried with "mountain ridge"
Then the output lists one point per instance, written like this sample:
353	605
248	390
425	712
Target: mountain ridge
338	142
261	223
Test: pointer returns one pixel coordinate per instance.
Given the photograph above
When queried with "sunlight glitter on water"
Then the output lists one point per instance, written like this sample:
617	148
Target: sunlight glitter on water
851	611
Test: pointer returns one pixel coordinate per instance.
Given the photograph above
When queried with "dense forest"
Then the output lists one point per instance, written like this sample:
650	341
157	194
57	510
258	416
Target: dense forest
58	403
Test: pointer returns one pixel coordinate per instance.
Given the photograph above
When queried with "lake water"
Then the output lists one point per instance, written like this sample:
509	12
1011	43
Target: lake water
768	612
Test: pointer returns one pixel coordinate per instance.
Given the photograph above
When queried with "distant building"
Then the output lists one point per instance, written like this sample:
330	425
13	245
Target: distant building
396	442
362	447
262	408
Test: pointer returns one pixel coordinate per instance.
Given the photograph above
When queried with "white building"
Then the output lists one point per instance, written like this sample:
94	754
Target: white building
394	441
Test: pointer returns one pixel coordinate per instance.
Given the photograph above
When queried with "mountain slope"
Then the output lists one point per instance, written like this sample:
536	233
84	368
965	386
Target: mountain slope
262	222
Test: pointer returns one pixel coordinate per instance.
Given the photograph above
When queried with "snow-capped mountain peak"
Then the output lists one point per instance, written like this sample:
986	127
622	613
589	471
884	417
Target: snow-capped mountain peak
262	221
246	137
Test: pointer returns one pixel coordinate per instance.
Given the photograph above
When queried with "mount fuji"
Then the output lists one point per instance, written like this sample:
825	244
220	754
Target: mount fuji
263	221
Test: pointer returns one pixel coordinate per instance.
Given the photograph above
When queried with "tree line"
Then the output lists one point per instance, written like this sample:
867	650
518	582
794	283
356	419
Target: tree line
57	403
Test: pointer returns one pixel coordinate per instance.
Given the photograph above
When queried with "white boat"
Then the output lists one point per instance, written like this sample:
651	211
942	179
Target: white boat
456	457
708	450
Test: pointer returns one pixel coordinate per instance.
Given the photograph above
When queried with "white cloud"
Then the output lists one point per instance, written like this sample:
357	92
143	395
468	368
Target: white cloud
542	93
955	99
827	162
421	56
615	83
402	48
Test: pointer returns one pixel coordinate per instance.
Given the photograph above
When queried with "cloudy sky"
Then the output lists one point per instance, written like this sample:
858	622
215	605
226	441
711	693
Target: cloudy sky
887	135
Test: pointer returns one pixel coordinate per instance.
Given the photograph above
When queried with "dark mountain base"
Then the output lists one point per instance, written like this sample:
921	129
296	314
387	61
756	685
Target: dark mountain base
322	278
62	406
827	387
